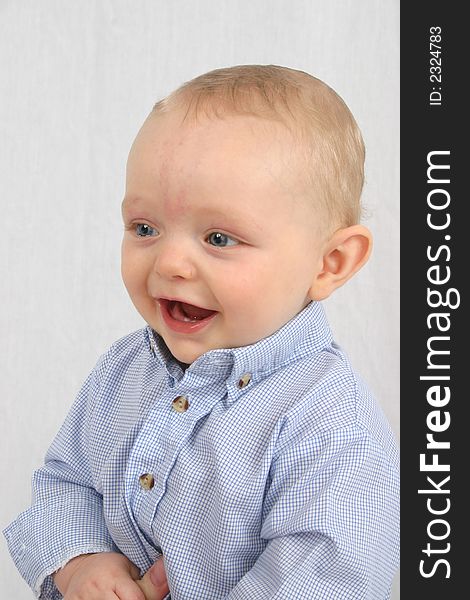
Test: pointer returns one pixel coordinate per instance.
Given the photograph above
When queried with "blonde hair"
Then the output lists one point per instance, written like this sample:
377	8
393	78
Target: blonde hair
329	138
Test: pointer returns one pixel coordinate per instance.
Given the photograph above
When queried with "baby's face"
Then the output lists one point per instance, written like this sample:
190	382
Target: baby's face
219	248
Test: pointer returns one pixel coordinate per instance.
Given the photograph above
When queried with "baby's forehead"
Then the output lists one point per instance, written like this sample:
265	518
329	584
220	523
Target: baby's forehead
170	142
231	150
171	134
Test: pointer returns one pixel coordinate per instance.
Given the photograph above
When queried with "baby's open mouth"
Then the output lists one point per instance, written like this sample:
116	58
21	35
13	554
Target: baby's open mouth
187	313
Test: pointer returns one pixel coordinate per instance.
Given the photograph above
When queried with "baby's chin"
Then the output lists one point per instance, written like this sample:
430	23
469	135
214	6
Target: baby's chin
185	352
189	351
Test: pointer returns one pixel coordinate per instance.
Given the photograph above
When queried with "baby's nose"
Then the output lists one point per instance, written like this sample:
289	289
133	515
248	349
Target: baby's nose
174	261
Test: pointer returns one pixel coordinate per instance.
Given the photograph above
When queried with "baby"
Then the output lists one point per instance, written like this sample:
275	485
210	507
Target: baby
230	435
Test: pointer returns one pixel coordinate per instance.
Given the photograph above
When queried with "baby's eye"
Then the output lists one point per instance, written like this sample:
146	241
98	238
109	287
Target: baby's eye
220	240
144	230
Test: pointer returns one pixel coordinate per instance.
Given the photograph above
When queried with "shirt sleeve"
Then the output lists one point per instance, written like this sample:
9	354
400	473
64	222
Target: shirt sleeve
331	523
66	517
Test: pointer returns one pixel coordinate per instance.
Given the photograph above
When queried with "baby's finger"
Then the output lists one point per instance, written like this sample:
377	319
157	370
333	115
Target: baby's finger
127	589
154	583
121	592
92	594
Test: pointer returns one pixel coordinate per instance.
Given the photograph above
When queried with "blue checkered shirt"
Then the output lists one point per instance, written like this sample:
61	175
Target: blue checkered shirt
275	476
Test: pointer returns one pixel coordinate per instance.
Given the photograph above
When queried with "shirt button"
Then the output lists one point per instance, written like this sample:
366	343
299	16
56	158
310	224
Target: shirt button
244	380
180	404
146	481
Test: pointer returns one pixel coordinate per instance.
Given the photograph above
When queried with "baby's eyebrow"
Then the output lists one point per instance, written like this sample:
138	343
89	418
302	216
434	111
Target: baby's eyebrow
124	203
127	202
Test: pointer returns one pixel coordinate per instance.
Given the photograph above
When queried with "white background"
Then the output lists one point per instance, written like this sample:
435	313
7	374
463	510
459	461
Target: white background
77	80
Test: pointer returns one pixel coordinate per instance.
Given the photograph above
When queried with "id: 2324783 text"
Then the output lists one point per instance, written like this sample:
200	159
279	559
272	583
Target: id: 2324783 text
435	66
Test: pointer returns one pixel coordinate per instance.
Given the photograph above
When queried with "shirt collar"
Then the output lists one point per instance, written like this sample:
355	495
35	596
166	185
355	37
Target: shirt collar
307	333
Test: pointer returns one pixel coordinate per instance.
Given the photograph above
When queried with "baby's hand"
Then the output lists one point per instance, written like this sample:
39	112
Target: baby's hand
154	583
102	576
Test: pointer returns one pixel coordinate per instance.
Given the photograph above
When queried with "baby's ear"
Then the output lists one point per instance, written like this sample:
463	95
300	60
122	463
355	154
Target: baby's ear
344	254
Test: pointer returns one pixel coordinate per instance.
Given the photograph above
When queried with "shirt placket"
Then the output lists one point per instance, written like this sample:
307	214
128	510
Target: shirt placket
150	465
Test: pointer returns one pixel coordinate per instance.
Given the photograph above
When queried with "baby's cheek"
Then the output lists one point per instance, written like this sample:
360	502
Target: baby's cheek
134	271
127	270
243	299
130	282
247	281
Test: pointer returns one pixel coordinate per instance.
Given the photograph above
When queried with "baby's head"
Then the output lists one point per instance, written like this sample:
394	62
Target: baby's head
242	205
